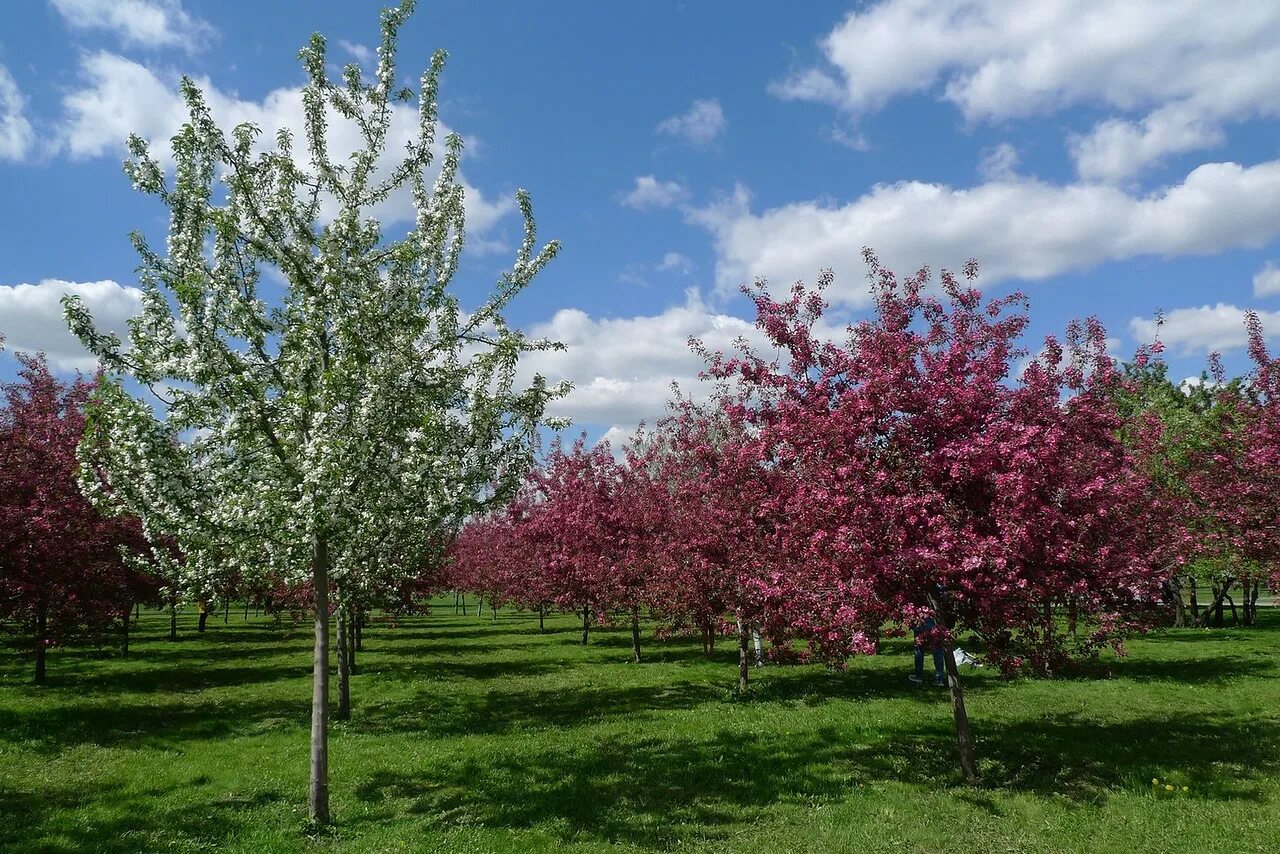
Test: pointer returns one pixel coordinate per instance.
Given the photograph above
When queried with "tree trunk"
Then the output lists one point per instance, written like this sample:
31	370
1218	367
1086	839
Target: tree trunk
246	610
479	607
744	655
1195	602
635	632
464	603
964	736
318	800
586	623
344	667
137	611
353	637
173	616
42	631
124	640
542	617
758	642
493	608
204	617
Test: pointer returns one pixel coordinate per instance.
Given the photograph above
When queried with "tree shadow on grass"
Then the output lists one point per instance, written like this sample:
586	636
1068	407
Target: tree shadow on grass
163	723
32	821
653	792
439	714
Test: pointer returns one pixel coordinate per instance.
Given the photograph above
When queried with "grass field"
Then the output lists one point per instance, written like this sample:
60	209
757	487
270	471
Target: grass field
470	734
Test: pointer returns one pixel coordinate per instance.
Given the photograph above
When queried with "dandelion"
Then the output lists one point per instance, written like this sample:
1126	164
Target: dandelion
1186	789
1155	781
1168	788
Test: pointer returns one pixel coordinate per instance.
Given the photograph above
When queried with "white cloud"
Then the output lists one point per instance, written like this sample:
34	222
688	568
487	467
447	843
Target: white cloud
676	262
999	163
701	124
622	368
1017	228
649	192
359	52
123	96
15	130
1174	70
1201	330
31	317
1266	282
138	23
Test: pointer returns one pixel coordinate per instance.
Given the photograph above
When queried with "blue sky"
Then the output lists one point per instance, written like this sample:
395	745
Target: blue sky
1105	158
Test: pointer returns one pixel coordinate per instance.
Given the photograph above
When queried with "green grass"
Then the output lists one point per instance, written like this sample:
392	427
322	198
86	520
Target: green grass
472	735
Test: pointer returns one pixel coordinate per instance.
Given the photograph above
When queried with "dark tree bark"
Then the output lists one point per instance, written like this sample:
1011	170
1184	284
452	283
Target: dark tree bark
344	668
42	639
318	799
542	617
586	623
635	632
744	655
964	736
353	638
124	636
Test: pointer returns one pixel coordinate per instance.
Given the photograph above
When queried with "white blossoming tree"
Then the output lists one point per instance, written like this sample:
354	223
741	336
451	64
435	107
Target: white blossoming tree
330	429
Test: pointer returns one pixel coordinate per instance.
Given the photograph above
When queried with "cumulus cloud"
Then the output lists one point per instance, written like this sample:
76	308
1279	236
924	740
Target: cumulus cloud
359	52
1017	228
31	317
622	368
999	163
1205	329
138	23
1266	282
649	192
15	129
676	262
121	96
1172	71
702	123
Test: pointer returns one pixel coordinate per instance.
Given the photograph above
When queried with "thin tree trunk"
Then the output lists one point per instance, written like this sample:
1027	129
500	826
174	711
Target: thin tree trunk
479	607
173	616
464	603
542	617
246	610
137	611
635	632
964	736
318	800
42	631
493	608
352	646
744	655
357	631
344	667
1195	602
758	642
1235	617
124	641
586	623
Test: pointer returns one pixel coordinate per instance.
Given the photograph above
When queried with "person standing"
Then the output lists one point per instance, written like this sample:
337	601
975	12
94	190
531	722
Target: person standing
923	632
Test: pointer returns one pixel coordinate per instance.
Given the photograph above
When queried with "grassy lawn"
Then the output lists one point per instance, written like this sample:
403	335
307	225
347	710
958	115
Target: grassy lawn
470	734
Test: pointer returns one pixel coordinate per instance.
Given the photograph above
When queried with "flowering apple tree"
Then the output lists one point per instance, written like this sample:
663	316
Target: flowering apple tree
338	422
